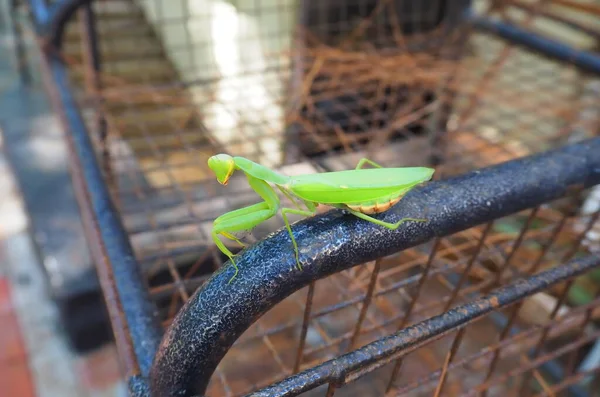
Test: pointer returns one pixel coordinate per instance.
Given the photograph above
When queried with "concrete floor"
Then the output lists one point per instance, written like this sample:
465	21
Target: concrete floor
35	359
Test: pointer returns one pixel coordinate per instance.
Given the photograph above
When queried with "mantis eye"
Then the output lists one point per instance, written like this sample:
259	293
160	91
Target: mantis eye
223	166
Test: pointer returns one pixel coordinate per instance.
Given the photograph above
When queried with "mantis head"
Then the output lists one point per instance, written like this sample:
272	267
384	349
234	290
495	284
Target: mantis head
223	166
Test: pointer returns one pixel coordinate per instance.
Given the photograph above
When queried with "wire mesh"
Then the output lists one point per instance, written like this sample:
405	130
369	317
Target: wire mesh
312	88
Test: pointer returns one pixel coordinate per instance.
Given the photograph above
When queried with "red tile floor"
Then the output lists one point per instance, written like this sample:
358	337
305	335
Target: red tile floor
15	374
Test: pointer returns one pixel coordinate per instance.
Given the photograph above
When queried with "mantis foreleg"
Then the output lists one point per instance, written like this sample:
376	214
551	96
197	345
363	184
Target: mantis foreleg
236	214
245	218
284	212
234	238
391	226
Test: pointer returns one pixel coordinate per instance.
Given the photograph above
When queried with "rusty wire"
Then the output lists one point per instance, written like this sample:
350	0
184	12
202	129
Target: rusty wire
156	143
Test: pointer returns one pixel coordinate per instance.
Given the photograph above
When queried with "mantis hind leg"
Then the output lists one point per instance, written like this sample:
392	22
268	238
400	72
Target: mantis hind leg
284	212
391	226
364	161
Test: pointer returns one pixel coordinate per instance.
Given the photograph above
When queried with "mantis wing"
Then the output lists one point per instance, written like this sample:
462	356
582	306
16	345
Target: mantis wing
356	186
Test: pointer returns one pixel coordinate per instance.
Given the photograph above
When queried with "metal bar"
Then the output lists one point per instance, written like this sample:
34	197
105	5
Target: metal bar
571	361
19	39
571	380
463	278
517	336
93	63
218	313
132	297
465	273
118	321
558	17
507	324
330	390
508	330
503	334
40	11
304	329
449	357
532	364
365	305
51	21
409	310
561	299
583	59
380	352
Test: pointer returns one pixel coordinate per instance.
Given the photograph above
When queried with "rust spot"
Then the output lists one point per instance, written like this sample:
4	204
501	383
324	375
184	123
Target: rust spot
494	302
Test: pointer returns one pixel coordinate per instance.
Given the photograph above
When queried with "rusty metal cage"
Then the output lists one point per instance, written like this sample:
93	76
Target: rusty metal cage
497	294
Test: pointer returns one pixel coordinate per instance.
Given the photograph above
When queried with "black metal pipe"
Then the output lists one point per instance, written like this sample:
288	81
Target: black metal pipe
218	313
94	69
20	48
134	300
52	28
383	350
92	47
41	12
553	367
584	60
560	18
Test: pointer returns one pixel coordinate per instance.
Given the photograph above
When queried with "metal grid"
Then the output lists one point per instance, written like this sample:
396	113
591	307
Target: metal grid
455	97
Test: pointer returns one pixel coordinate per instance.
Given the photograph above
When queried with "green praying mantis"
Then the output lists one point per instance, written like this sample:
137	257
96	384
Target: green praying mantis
361	192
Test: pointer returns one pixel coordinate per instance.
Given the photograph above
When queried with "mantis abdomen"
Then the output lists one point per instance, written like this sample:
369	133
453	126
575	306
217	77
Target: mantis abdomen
375	207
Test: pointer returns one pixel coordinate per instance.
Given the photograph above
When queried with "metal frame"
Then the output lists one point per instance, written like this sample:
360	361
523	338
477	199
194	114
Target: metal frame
132	309
133	318
166	369
348	367
341	242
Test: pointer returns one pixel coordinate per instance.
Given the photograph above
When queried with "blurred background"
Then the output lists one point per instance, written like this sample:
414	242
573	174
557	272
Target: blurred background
302	87
40	231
